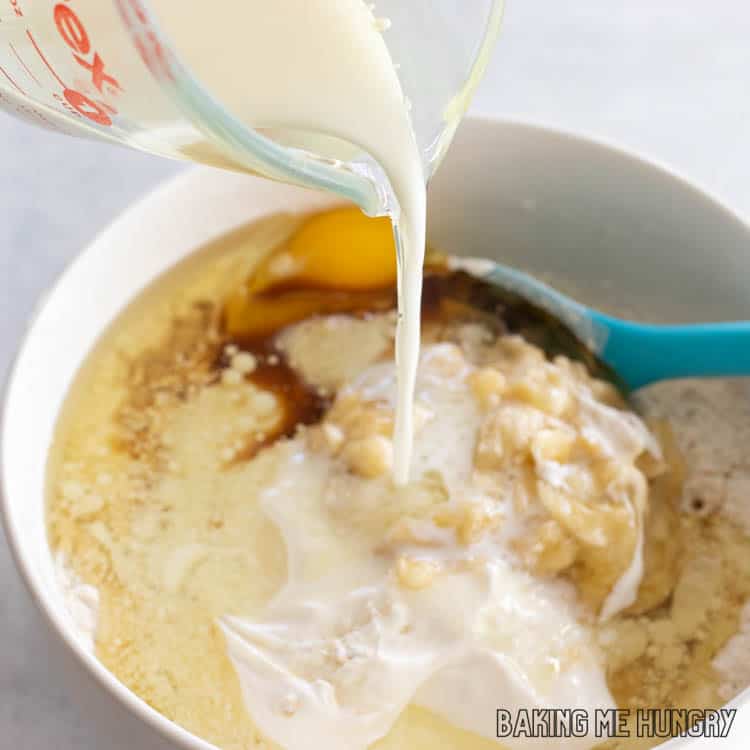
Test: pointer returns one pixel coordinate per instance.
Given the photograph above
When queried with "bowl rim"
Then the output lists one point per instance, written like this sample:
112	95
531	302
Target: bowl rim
56	623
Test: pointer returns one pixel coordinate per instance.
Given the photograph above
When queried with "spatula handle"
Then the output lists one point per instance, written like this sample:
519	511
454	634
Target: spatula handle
644	354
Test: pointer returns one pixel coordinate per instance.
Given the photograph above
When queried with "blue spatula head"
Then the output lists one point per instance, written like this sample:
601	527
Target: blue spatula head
636	354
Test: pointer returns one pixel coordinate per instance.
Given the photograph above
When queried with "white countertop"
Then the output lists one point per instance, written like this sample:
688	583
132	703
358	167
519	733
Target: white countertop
667	78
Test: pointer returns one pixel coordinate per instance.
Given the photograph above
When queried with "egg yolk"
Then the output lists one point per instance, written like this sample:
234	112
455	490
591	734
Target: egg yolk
337	261
339	249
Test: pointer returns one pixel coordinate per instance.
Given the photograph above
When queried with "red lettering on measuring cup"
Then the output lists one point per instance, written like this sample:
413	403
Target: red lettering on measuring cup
146	40
71	29
87	107
75	35
98	76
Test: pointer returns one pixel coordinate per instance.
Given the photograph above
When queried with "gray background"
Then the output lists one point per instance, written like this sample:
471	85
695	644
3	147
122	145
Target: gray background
668	78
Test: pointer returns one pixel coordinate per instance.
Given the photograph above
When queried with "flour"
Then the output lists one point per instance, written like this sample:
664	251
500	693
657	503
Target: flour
711	424
733	662
81	602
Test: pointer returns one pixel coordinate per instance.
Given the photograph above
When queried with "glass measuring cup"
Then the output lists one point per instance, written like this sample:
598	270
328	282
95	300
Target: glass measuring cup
105	69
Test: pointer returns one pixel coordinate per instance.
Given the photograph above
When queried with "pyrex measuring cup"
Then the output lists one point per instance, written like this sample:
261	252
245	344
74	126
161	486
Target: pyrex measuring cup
104	69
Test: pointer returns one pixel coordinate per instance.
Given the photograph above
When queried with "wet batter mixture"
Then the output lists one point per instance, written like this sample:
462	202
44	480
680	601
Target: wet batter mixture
231	543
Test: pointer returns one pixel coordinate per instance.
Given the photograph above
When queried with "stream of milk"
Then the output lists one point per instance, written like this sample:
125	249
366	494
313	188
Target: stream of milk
322	67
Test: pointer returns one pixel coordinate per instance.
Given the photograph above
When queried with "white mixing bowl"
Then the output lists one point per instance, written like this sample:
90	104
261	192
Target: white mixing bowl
540	199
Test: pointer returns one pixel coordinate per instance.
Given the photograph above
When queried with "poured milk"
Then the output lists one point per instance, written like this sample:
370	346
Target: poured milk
343	648
321	67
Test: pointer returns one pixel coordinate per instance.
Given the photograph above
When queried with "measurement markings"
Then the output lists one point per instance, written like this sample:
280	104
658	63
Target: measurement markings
23	64
45	61
12	82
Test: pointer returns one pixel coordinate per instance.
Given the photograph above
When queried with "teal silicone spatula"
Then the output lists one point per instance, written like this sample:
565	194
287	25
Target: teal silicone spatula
639	354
